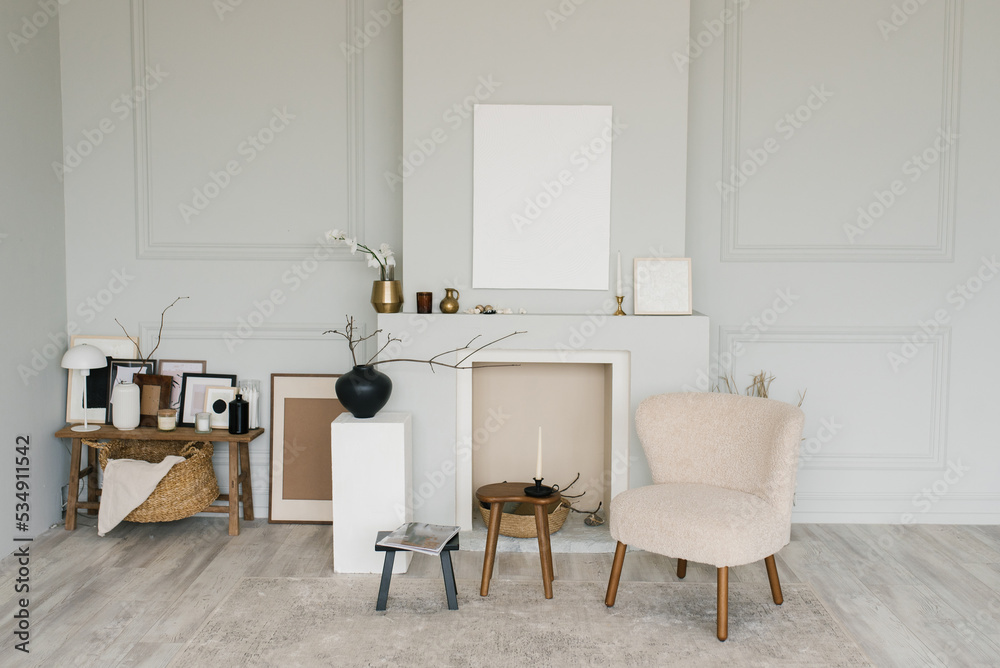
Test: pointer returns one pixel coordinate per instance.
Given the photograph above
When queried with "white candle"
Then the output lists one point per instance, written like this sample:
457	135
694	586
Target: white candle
202	422
538	466
619	293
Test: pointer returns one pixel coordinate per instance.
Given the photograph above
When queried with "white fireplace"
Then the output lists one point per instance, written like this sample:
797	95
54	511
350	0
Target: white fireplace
644	355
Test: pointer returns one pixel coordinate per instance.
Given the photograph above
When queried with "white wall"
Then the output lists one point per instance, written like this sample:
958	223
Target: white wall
263	286
460	52
851	303
32	385
791	291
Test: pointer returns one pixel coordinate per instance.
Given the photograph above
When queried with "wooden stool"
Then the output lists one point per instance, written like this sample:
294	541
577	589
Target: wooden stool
504	492
446	570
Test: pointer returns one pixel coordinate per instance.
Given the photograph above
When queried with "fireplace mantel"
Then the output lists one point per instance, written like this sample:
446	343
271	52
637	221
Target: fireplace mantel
665	353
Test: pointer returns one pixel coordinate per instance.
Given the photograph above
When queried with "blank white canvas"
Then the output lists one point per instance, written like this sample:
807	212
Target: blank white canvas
542	196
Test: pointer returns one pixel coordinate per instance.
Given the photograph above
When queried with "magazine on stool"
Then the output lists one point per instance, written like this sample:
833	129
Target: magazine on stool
420	537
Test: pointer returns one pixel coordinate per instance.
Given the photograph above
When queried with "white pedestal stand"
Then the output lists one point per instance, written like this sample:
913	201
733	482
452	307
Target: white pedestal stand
372	469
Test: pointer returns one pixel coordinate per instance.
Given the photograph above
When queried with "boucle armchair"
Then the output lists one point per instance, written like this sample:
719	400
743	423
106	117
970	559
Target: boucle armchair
723	469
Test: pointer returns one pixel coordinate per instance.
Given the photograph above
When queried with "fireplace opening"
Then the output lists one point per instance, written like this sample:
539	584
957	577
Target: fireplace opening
569	403
580	399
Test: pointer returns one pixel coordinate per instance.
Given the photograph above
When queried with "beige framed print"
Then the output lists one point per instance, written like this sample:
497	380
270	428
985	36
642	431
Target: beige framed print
176	370
97	381
662	286
302	408
217	405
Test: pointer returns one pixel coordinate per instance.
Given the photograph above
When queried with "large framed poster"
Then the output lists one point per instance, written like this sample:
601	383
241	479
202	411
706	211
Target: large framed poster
302	408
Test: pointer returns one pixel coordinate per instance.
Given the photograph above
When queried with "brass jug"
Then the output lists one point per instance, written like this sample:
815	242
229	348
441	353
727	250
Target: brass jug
450	302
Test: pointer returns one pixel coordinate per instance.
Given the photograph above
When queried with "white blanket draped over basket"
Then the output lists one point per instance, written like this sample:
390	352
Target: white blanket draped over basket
127	483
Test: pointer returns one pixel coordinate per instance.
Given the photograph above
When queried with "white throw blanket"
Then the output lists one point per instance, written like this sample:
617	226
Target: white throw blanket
127	483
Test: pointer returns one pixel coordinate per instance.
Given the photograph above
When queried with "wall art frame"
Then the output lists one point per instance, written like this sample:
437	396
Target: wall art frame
97	384
662	286
541	214
193	386
217	405
176	370
154	395
301	484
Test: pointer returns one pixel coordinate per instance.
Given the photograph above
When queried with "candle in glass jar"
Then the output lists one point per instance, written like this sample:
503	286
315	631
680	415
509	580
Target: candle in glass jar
166	419
201	422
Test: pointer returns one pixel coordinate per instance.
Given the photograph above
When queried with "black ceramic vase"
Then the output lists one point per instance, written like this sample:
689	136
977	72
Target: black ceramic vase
364	390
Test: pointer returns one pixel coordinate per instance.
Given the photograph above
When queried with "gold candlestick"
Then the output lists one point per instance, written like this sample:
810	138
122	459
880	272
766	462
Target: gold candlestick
619	311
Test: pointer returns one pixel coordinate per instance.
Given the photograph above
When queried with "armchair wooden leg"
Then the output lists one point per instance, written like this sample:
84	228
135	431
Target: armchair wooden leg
616	574
772	577
723	612
682	568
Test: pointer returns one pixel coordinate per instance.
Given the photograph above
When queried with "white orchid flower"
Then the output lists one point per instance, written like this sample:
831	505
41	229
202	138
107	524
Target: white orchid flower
334	235
375	260
353	243
385	250
391	261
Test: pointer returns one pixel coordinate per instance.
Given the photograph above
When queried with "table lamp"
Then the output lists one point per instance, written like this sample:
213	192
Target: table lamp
84	358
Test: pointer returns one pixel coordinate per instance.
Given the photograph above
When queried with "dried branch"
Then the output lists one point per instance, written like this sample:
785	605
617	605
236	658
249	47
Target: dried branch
159	336
134	341
488	344
563	489
455	350
433	363
352	342
588	512
379	351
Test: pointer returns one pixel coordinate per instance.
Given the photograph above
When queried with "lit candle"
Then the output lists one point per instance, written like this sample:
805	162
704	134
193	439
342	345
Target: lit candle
619	293
538	466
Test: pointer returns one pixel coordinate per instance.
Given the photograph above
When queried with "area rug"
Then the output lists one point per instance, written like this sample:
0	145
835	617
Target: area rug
333	622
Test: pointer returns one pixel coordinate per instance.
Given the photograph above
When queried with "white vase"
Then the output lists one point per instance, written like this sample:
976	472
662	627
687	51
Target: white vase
125	399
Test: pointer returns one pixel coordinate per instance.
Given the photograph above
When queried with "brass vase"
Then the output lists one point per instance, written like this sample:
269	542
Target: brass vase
450	302
387	296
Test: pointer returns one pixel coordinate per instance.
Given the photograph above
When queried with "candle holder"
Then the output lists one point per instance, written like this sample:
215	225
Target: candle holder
619	311
538	489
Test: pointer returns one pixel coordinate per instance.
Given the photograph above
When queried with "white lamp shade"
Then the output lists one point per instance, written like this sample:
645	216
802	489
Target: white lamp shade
84	356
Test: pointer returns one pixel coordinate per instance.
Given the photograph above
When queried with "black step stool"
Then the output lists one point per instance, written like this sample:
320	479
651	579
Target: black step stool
390	557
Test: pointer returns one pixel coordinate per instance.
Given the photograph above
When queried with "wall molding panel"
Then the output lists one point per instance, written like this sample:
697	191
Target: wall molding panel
215	331
892	508
147	244
934	451
942	250
260	449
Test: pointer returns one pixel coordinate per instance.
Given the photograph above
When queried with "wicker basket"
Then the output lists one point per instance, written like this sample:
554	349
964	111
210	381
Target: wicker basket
521	523
188	488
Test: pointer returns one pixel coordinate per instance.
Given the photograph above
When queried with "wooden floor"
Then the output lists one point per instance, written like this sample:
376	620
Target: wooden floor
910	596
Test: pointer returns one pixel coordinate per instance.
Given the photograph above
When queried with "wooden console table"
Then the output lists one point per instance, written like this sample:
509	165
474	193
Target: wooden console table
239	467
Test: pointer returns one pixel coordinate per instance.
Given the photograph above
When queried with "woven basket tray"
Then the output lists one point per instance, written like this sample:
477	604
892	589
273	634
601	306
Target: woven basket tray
188	488
521	523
